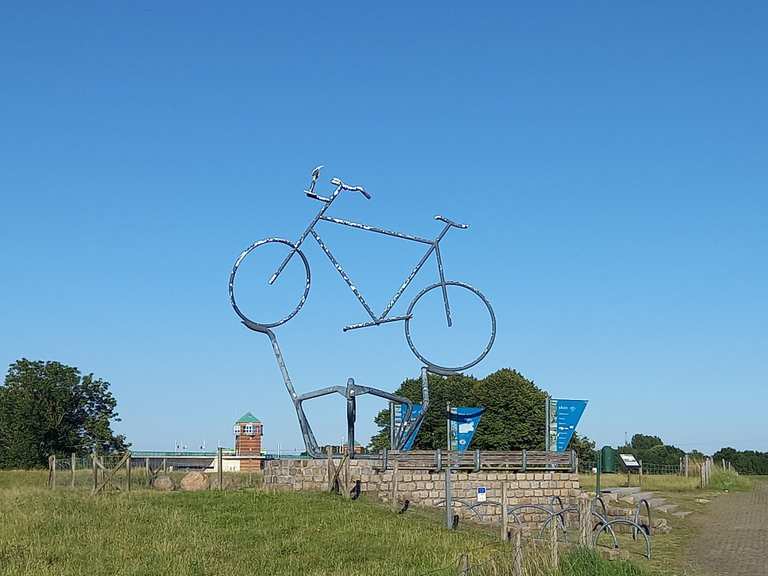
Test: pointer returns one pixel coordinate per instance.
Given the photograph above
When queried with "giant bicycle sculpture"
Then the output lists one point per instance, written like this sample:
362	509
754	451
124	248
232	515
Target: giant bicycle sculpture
408	426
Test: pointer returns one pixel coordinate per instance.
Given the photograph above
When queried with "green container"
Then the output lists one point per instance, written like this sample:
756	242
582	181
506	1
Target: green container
610	458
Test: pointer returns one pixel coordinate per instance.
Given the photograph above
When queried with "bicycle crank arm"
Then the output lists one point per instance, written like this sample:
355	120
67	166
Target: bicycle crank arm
377	322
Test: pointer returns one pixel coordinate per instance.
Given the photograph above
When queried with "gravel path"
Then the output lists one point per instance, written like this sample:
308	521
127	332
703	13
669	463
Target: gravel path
734	540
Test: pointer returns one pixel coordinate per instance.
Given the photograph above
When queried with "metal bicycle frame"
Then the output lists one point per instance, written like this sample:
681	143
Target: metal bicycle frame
434	246
406	429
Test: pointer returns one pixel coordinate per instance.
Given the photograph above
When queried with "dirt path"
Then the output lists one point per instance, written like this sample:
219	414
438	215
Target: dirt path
733	536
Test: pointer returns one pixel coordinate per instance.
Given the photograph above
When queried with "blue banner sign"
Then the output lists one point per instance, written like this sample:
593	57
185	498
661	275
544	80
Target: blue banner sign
463	421
400	410
562	418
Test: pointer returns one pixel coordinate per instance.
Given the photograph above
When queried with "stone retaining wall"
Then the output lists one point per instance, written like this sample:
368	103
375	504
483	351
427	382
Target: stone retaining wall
426	487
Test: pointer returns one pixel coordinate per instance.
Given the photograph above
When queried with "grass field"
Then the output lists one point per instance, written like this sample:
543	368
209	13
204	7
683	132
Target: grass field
69	532
720	481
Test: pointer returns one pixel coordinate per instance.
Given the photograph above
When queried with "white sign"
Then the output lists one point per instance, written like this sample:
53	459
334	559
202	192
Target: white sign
629	461
481	493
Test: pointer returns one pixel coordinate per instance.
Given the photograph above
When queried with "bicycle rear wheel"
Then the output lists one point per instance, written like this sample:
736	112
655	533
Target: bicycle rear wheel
486	306
289	247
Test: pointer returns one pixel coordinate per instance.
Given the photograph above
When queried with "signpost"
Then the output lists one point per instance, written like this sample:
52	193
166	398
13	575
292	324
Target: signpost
462	424
397	412
630	463
562	417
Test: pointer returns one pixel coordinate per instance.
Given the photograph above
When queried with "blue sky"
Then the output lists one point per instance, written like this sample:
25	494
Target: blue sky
609	157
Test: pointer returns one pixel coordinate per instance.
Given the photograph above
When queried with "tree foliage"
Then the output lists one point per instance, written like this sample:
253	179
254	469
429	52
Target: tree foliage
584	448
743	461
47	408
652	450
514	418
643	442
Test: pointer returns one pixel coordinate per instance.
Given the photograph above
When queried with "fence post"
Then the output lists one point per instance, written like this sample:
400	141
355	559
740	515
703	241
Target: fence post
394	486
51	468
146	469
686	465
220	465
517	565
347	478
95	470
74	465
464	565
553	543
641	473
504	513
128	471
585	520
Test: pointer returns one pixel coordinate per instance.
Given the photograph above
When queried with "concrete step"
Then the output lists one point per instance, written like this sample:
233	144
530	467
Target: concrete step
666	508
623	491
656	502
635	497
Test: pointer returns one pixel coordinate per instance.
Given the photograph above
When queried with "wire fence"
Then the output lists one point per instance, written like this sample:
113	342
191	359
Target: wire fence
101	473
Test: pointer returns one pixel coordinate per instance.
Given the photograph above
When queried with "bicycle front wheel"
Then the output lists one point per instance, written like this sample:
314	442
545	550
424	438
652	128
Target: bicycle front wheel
272	253
457	292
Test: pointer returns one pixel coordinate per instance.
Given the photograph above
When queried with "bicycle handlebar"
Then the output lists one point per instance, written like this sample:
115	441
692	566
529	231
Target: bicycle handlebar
340	184
336	182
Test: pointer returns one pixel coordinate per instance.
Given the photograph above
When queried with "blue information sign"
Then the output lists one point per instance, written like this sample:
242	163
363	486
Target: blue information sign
463	422
562	418
400	410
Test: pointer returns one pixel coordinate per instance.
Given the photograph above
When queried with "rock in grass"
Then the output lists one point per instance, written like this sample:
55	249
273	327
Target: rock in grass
195	482
163	483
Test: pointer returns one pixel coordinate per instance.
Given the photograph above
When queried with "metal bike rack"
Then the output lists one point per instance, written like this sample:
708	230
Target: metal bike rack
635	528
636	519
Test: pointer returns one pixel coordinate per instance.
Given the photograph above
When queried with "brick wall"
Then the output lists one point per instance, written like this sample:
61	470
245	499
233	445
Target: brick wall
248	444
428	488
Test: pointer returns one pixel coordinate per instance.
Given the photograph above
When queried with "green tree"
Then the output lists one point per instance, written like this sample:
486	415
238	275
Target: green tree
584	448
643	442
514	418
47	408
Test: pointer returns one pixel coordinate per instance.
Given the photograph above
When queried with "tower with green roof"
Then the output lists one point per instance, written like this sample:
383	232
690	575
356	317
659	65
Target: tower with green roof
248	432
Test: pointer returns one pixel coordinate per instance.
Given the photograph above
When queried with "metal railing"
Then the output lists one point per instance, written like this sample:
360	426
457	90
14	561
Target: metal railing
479	460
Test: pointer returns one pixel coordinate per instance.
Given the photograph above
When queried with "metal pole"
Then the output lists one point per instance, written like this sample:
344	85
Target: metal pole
546	430
448	494
448	498
220	464
599	471
392	425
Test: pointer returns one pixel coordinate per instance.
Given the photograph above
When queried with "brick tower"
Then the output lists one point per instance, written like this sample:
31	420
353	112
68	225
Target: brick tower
248	433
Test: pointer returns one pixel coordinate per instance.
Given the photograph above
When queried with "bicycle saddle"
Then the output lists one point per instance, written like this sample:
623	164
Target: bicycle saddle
451	222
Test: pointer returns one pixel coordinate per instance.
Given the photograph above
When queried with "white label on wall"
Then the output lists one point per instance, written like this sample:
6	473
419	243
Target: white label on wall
481	493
